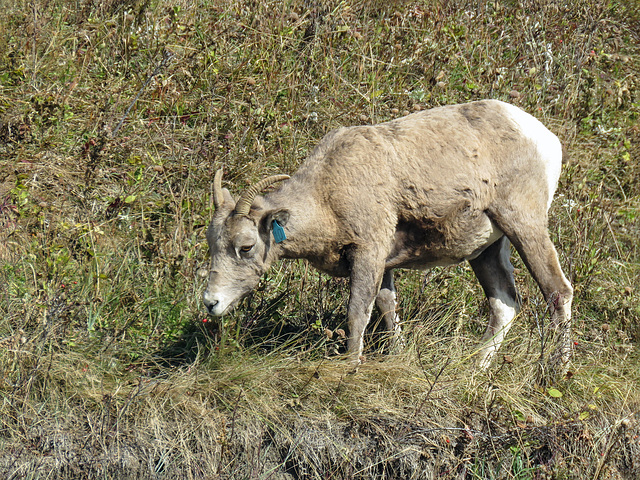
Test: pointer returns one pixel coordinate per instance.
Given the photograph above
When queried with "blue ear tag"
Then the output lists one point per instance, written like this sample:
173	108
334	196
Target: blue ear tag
278	232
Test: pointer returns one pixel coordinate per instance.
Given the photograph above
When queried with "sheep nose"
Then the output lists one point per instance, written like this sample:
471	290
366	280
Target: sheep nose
211	306
209	302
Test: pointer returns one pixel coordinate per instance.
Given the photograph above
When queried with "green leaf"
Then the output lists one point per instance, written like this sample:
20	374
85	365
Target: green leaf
130	199
555	393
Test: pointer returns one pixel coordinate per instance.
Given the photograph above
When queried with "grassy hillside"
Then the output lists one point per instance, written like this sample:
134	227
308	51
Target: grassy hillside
113	118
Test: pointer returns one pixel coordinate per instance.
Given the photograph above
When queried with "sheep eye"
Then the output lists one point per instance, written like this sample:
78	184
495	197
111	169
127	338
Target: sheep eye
246	248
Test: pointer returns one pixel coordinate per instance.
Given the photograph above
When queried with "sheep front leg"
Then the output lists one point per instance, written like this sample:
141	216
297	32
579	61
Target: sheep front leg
387	303
366	277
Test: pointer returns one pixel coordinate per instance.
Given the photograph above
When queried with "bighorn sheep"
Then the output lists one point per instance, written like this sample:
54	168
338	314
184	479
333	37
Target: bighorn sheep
433	188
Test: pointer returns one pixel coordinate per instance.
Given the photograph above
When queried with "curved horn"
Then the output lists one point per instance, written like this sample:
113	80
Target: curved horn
218	197
244	203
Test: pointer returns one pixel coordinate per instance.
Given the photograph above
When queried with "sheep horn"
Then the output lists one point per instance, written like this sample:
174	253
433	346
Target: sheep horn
244	203
218	197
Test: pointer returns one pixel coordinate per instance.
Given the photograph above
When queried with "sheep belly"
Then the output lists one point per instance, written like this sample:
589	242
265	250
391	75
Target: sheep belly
429	243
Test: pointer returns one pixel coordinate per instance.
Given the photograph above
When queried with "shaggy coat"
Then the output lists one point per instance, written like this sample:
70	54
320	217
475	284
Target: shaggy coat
436	187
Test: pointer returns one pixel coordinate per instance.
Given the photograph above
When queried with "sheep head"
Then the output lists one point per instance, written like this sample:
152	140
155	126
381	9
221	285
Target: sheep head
240	243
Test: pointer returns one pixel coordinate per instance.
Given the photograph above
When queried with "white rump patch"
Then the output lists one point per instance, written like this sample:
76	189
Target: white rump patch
547	143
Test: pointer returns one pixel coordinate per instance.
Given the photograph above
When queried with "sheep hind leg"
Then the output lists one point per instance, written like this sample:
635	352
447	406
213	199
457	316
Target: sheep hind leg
387	304
541	258
495	273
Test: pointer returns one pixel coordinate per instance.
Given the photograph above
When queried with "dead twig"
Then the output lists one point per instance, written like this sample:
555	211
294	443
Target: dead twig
432	384
165	59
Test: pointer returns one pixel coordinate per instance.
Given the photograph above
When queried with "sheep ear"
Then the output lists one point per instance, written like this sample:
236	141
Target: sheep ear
228	199
227	204
221	196
281	216
274	223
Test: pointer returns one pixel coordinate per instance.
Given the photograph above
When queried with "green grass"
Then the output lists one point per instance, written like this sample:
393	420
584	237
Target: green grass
114	117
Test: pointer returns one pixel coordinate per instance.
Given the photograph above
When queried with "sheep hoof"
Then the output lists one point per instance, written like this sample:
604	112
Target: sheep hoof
354	364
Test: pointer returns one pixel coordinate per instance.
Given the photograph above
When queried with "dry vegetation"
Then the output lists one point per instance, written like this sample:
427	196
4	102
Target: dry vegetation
114	116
